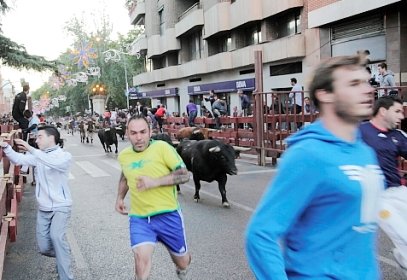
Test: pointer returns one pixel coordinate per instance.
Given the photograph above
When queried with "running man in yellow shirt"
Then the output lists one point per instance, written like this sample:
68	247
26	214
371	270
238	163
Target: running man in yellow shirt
151	169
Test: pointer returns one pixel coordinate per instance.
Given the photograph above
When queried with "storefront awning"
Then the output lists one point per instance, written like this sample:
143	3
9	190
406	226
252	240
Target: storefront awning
168	92
227	86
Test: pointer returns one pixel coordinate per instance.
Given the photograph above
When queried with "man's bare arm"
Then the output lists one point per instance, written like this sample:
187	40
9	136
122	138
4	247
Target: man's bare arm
121	194
176	177
123	187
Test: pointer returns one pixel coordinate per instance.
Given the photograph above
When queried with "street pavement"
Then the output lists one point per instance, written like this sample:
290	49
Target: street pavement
99	236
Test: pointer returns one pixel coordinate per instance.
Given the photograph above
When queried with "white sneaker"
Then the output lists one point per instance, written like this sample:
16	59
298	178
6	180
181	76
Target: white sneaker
182	274
400	261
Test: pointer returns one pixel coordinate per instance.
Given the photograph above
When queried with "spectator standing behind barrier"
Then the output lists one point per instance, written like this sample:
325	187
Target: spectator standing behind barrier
295	97
192	112
19	105
33	122
151	170
211	97
218	109
389	143
386	80
159	116
319	210
52	192
309	108
244	102
373	82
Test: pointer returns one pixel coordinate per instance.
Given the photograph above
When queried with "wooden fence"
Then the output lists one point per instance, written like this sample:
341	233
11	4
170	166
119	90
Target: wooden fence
11	189
265	131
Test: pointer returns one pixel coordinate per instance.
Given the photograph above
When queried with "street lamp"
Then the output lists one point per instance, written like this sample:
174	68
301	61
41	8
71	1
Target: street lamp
97	89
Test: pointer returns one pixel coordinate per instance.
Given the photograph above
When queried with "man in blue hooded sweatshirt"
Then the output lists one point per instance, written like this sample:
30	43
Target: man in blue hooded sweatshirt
317	219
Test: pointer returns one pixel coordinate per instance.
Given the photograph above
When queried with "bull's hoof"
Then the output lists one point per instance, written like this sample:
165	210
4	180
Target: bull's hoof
226	204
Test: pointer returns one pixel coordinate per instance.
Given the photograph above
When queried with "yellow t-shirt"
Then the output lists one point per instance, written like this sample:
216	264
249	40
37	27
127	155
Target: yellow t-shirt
158	160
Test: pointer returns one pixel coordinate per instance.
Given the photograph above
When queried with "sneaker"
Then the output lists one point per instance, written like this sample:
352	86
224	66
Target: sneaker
399	259
182	274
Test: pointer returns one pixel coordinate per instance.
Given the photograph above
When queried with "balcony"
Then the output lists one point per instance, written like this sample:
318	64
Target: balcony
193	17
274	7
284	48
244	56
242	11
139	44
220	61
163	74
217	19
160	44
192	67
137	11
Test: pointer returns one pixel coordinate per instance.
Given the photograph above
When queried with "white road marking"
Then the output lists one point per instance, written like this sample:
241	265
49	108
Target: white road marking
72	145
387	261
86	156
256	171
233	203
76	252
92	169
114	164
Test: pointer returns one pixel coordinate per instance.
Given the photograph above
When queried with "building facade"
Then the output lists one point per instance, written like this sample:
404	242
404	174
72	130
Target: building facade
191	47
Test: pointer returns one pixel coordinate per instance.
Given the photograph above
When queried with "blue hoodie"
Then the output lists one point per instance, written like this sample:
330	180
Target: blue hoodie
317	219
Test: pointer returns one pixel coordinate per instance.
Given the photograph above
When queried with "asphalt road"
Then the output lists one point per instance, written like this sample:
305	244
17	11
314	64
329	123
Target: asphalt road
99	236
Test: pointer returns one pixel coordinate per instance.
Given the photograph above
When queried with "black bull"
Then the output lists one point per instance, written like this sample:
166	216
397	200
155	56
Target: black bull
108	137
209	160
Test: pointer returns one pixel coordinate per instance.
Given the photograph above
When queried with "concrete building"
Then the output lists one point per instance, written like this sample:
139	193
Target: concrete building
191	47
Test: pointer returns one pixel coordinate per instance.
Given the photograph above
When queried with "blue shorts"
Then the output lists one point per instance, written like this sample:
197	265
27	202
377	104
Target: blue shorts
167	228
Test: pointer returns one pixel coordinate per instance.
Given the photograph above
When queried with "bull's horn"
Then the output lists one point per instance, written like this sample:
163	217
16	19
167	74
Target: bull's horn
214	149
241	149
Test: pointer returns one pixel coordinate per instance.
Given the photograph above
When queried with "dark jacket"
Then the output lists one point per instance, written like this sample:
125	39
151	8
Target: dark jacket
19	105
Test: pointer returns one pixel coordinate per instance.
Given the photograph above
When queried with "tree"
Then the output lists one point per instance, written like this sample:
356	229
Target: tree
14	55
112	73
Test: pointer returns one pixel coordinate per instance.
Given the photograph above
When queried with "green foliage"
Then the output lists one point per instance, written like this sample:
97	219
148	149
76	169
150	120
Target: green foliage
112	76
14	55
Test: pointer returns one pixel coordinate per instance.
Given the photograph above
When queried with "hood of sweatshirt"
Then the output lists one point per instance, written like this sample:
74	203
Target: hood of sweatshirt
389	72
317	131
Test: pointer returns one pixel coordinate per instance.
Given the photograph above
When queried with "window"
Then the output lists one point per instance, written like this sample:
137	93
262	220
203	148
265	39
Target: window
285	25
284	69
192	46
158	62
249	35
219	44
161	21
148	64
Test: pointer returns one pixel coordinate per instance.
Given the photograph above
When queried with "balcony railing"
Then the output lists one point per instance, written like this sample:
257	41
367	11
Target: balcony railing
194	7
131	5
